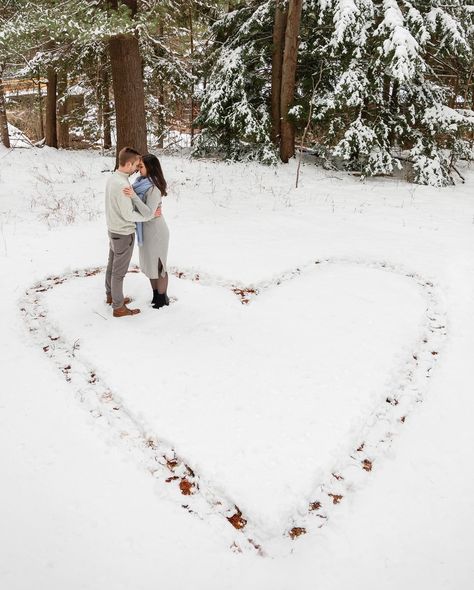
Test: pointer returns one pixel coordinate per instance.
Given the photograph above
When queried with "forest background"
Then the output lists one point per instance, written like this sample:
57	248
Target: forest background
372	86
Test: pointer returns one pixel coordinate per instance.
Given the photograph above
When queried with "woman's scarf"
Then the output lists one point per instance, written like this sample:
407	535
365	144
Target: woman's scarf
140	186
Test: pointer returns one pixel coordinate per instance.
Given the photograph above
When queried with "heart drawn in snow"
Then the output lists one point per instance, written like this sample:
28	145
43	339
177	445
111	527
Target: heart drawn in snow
276	406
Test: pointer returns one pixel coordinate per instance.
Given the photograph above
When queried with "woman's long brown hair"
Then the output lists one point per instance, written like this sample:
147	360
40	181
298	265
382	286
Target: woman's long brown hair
154	172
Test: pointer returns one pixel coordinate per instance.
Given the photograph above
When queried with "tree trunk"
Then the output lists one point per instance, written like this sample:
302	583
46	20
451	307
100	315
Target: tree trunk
63	125
127	81
161	115
161	99
104	102
288	79
106	112
51	130
279	27
393	110
386	90
191	42
40	108
129	94
3	116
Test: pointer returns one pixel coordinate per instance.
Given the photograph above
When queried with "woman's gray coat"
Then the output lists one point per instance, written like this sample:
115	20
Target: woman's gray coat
155	235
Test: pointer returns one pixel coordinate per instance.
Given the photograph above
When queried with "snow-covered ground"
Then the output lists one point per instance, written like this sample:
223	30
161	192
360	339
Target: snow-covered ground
312	375
17	138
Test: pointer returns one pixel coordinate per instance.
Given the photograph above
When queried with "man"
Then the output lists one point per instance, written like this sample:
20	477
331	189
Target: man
121	218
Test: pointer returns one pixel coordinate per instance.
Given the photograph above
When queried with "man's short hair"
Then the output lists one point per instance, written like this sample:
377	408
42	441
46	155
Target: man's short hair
126	155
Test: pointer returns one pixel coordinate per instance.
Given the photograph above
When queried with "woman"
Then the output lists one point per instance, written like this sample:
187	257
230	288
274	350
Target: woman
152	236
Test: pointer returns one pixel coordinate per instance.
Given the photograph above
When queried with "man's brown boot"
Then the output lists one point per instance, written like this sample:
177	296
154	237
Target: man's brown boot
125	301
124	310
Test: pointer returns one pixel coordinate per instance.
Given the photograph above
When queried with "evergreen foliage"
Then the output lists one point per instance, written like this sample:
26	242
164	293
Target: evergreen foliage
386	89
75	39
234	115
384	79
378	81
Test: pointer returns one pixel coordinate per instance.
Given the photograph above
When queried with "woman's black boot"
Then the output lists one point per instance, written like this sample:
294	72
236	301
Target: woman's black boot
161	299
155	297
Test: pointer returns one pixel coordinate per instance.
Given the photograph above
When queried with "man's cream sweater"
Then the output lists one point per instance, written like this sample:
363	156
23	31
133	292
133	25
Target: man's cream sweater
119	212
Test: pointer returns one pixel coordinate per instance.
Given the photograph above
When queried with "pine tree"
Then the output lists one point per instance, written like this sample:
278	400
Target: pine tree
379	81
288	79
154	33
375	75
279	27
382	89
235	105
168	67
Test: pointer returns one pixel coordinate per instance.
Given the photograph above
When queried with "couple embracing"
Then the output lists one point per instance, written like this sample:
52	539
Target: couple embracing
131	210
